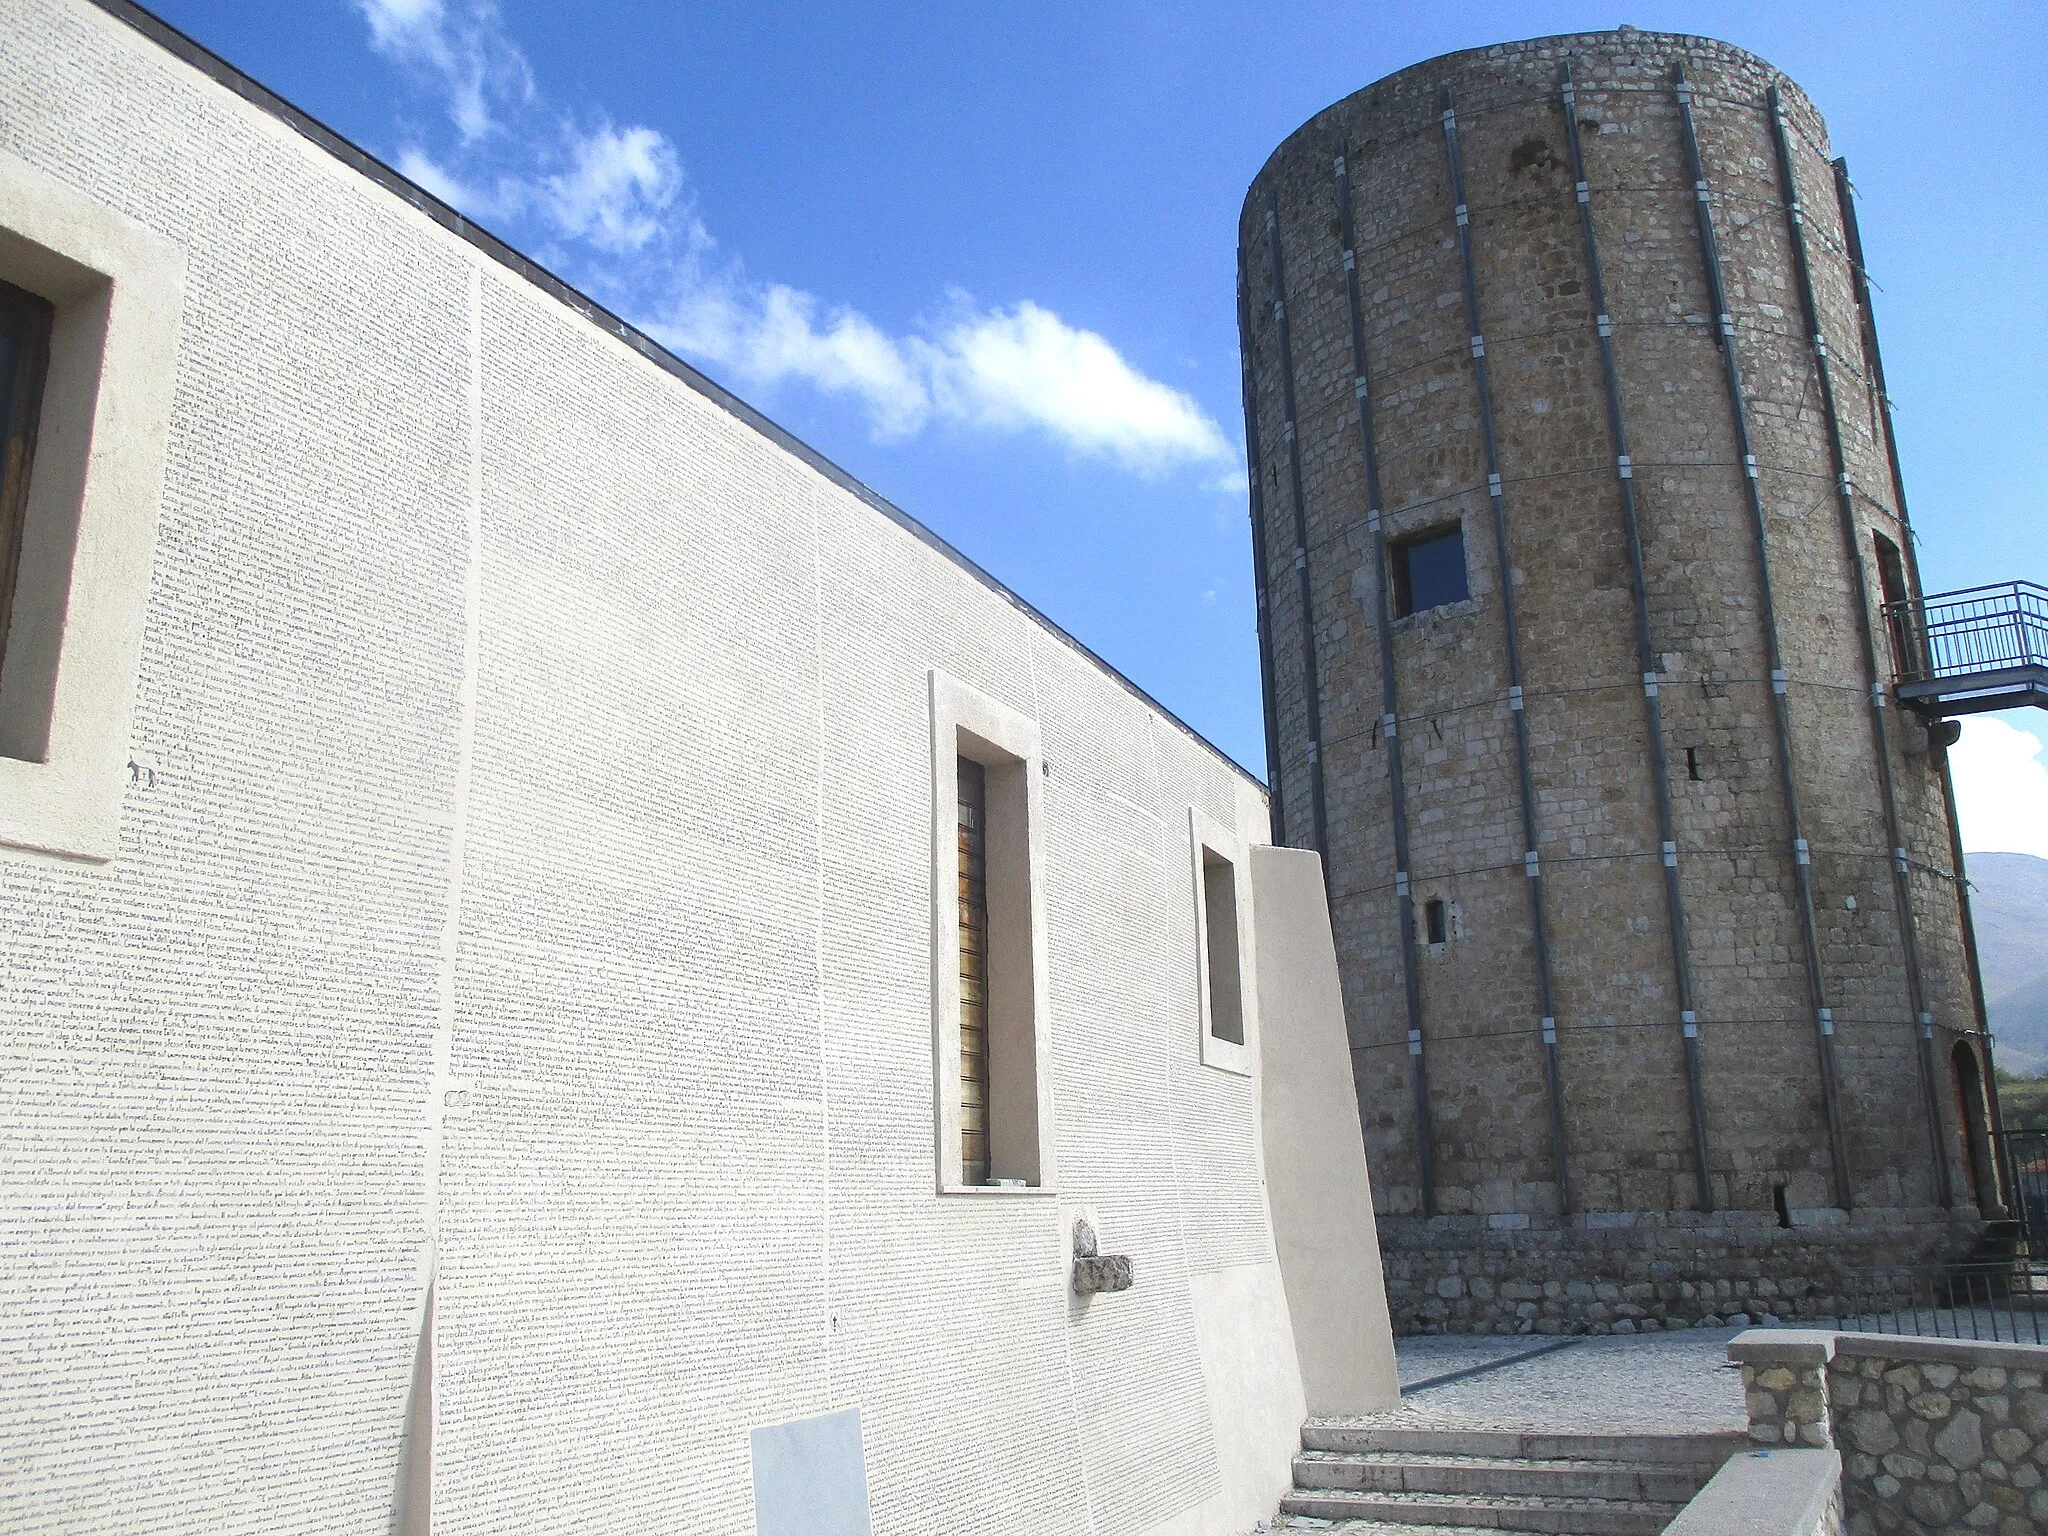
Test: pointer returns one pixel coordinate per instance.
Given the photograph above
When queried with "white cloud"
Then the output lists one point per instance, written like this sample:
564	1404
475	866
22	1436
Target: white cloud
772	334
1027	368
618	185
465	51
475	201
2001	788
618	196
1021	369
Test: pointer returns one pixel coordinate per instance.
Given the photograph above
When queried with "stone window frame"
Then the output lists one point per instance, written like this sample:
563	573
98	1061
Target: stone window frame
1207	835
1427	531
968	723
67	690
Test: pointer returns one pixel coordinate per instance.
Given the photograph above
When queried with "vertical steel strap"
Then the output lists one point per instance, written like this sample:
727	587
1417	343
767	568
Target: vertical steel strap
1389	688
1880	730
1859	282
1483	385
1802	873
1311	686
1260	581
1646	657
1852	237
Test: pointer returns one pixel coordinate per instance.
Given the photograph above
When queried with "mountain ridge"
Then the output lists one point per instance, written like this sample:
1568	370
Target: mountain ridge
2009	906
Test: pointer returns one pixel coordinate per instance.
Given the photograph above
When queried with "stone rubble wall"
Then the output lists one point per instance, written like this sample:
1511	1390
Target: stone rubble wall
1662	1270
1938	1437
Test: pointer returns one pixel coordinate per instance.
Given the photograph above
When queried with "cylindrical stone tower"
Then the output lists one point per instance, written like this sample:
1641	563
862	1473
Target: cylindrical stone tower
1575	504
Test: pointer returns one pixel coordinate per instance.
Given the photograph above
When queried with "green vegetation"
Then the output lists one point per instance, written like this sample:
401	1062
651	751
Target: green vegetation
2023	1101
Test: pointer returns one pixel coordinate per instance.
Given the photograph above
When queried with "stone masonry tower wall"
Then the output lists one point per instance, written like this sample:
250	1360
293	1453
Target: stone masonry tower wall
1655	957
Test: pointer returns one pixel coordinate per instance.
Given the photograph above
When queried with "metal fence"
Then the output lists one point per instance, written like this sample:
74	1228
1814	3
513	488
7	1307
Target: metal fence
2001	1302
2029	1153
1979	629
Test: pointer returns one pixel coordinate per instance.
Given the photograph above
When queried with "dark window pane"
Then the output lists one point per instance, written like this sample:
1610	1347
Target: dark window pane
1429	572
24	353
1219	900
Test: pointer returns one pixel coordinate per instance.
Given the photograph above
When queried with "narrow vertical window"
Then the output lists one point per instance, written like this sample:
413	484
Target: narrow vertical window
90	305
1226	986
24	360
974	978
1228	1036
1435	923
990	1032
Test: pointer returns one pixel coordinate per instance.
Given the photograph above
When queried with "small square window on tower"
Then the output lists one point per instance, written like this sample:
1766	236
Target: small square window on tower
1429	571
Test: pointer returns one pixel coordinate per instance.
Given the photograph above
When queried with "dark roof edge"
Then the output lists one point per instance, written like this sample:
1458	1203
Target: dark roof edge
360	160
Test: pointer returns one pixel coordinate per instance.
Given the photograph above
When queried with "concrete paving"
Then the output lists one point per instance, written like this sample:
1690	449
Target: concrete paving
1652	1383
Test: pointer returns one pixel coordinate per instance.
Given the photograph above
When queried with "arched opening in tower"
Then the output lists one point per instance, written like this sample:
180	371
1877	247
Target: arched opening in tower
1976	1123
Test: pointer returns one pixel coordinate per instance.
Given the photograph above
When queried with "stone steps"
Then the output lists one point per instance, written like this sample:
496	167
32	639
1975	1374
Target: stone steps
1551	1516
1378	1480
1403	1472
1705	1450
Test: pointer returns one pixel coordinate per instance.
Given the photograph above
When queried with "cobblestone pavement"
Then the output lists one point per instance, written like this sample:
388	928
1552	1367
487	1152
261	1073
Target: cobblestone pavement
1648	1383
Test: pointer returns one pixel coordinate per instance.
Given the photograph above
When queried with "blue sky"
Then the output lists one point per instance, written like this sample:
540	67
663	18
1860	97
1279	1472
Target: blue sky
983	255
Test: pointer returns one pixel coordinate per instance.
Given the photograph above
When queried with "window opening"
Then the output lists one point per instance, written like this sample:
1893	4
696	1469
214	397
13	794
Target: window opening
1783	1207
1891	581
25	323
1429	571
1226	989
1435	924
1692	764
1976	1127
974	980
992	1104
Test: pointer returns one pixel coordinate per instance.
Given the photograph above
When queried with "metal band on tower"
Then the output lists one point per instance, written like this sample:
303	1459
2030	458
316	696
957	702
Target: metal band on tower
1646	656
1261	583
1311	686
1873	677
1852	237
1531	863
1389	690
1802	872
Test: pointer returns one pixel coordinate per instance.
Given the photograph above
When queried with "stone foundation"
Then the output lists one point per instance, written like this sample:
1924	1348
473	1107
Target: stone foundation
1631	1272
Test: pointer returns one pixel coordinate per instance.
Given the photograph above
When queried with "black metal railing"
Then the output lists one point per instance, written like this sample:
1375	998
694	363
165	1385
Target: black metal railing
2029	1153
1999	1302
1976	630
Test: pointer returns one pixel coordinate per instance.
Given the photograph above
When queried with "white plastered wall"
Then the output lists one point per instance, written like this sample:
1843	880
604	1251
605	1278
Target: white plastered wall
532	898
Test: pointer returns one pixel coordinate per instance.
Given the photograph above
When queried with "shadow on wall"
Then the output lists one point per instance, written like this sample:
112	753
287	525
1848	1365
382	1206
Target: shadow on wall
412	1504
